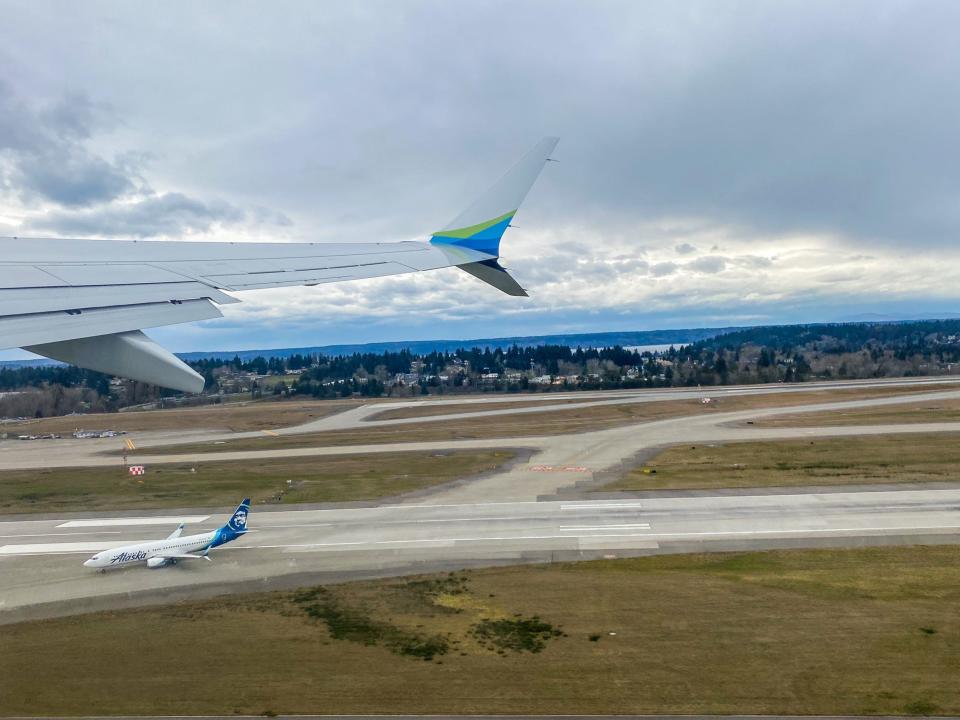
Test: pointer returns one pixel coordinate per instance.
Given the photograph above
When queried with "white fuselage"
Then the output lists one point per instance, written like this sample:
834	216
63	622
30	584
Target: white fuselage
143	552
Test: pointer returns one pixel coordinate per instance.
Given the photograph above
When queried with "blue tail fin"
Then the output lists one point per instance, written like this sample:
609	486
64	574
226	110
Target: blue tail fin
235	527
237	524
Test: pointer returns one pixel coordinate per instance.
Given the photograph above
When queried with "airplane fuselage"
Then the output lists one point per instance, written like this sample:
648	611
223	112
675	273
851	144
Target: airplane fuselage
175	546
145	552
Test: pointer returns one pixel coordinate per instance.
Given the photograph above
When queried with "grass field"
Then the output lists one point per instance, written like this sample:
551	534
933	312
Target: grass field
921	412
549	422
865	631
430	409
238	417
834	461
334	479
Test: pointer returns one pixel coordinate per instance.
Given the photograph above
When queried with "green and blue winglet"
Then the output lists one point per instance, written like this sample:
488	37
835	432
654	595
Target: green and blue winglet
481	226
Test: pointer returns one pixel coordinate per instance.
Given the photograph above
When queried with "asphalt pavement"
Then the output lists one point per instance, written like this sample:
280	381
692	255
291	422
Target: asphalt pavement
530	512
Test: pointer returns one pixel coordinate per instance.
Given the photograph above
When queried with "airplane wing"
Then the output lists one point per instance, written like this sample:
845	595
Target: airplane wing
183	556
85	302
176	533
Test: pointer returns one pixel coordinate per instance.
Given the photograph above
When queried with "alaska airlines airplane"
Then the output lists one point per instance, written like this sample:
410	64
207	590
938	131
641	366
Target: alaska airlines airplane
167	552
85	302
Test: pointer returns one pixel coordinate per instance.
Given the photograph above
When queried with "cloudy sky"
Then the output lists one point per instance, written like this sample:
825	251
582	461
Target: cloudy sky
721	162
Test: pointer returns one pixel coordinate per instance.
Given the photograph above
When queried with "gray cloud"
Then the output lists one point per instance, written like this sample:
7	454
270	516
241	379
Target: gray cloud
69	176
750	128
171	214
796	116
47	159
663	269
754	261
709	264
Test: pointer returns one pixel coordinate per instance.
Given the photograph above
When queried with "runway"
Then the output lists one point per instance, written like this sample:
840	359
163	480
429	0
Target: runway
530	512
40	560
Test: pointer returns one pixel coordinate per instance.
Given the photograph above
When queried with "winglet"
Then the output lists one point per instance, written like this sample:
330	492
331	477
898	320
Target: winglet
481	226
493	273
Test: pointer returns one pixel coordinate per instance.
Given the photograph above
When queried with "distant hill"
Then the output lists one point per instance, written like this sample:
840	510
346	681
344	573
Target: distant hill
40	362
631	338
604	339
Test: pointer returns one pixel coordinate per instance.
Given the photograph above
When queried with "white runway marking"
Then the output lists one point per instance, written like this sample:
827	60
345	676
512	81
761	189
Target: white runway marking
60	548
602	506
478	518
98	532
637	526
807	531
118	522
647	536
449	541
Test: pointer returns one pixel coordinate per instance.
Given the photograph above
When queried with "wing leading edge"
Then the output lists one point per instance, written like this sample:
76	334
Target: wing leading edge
85	302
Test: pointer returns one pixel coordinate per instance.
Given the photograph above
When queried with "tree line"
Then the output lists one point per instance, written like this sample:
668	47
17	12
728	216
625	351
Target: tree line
793	353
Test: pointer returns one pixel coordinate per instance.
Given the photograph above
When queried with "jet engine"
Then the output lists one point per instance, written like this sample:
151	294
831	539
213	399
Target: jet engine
157	562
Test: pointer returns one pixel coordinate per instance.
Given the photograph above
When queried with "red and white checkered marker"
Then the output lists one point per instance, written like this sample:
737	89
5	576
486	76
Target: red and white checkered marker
136	469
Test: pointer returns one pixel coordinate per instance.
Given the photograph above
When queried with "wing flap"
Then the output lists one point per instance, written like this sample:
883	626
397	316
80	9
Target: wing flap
28	301
121	274
26	276
40	328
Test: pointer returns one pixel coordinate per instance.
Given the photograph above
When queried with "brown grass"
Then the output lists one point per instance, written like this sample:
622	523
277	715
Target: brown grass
285	480
237	417
786	463
549	422
921	412
820	632
429	409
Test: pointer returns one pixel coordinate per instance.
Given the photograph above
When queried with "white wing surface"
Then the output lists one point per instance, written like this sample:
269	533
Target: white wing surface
85	302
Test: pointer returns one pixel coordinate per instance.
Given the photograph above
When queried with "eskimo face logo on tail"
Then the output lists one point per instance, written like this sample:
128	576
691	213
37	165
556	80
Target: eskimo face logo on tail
240	520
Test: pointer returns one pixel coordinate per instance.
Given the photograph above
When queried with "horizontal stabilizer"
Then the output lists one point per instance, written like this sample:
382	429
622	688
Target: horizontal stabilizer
492	273
128	354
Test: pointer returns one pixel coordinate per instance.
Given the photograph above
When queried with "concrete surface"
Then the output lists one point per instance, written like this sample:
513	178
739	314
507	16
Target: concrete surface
506	517
41	560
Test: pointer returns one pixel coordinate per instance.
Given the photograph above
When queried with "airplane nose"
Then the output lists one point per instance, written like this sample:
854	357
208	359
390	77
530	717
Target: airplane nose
88	563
